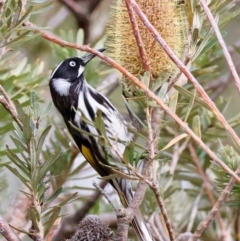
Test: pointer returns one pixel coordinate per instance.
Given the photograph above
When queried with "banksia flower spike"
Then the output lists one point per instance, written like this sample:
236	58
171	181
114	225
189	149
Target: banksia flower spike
168	17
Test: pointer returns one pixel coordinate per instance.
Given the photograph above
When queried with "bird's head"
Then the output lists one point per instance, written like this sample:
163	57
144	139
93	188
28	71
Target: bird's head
69	71
72	68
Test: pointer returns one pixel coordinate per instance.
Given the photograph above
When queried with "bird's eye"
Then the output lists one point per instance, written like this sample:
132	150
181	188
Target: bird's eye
72	63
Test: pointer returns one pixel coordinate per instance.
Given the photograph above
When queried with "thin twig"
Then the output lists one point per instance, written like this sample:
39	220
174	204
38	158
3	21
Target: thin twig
184	236
160	228
138	38
221	43
156	233
220	84
194	210
158	101
7	232
154	187
104	194
9	106
205	182
82	10
184	70
150	147
177	151
160	202
221	200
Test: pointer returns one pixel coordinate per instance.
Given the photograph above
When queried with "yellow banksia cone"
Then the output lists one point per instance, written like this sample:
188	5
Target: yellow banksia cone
167	16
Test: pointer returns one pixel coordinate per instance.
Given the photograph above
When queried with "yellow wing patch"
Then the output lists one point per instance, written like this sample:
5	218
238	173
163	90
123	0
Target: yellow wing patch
88	155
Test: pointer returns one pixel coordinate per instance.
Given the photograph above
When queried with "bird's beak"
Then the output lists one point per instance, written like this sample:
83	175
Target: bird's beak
88	57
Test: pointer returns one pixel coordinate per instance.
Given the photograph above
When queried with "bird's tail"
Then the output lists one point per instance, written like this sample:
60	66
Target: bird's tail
140	228
126	194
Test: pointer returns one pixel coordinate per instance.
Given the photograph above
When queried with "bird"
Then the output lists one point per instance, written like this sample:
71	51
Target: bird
79	103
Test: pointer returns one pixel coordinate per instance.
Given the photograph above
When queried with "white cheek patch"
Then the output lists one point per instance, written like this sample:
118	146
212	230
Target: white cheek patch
80	70
61	86
55	70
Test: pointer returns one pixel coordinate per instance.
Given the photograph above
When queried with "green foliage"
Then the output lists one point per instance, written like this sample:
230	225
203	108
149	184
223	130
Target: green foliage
232	159
203	37
3	191
30	166
13	28
16	75
33	152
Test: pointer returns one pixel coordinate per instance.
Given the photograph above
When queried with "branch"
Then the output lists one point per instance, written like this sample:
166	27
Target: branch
205	183
138	38
219	85
153	129
82	11
194	210
160	202
160	228
124	217
9	106
7	232
184	236
104	194
221	200
221	43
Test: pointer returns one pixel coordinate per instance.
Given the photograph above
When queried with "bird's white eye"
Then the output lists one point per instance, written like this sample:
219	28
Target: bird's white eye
72	63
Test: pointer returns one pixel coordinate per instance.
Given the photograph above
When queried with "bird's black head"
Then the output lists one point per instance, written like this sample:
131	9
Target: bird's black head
71	69
68	75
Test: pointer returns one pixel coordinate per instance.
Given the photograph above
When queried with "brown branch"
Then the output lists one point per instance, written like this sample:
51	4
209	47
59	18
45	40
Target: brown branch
153	129
194	210
34	234
138	38
82	11
221	200
9	106
161	230
184	236
160	202
156	234
69	224
221	43
177	151
7	232
219	85
205	182
124	217
104	194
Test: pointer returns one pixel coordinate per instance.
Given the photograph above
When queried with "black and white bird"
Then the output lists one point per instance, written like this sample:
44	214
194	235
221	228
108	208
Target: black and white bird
74	97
